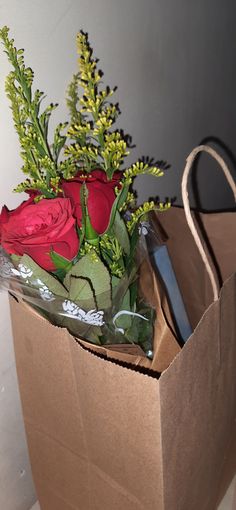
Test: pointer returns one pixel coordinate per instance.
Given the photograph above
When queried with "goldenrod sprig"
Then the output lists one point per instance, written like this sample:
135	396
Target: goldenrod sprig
88	248
73	99
87	153
93	144
40	159
112	254
46	190
140	168
91	126
130	202
143	210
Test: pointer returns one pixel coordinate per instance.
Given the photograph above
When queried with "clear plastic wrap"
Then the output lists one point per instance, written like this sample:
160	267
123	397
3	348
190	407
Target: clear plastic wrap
117	324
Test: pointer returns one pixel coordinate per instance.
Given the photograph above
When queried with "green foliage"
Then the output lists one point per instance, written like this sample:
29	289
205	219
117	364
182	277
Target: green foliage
82	291
130	202
121	233
118	204
92	117
73	99
40	158
89	141
95	277
59	261
89	233
143	210
141	331
140	168
112	253
125	321
38	277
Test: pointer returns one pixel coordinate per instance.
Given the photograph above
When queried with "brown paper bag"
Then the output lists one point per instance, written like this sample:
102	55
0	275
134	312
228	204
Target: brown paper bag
105	434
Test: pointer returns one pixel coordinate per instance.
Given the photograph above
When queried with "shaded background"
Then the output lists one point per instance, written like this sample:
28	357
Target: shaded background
174	64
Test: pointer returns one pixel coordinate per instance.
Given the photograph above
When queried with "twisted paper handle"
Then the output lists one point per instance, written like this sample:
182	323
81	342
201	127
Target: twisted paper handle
189	163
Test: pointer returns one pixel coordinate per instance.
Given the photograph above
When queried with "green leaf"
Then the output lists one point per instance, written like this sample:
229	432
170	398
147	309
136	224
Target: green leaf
119	201
81	291
91	268
60	274
40	148
122	196
31	127
110	173
125	321
89	233
60	262
122	294
115	281
80	233
43	276
57	146
133	245
94	335
133	294
15	259
43	122
121	233
141	331
78	329
118	286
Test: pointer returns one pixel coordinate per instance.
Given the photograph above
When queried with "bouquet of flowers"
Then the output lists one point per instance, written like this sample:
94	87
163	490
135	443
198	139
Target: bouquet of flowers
74	247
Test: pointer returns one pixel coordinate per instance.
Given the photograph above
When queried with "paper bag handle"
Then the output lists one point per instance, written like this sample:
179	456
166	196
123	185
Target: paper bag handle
189	163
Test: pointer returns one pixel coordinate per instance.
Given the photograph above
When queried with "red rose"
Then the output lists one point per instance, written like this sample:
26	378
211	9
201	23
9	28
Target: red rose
101	196
5	213
36	228
3	218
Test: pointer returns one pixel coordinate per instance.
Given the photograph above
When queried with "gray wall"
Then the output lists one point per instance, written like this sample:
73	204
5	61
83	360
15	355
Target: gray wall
189	74
174	64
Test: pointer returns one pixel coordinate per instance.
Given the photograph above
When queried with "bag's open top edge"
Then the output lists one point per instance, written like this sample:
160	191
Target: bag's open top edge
148	372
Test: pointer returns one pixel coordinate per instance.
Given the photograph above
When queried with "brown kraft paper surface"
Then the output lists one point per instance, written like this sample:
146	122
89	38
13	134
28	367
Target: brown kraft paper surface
79	418
103	436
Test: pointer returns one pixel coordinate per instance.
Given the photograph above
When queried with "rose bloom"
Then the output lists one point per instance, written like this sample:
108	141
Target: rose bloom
4	215
101	196
35	229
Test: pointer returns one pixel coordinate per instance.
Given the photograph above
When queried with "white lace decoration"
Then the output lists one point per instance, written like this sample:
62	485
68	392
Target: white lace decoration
23	271
44	291
93	317
26	273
